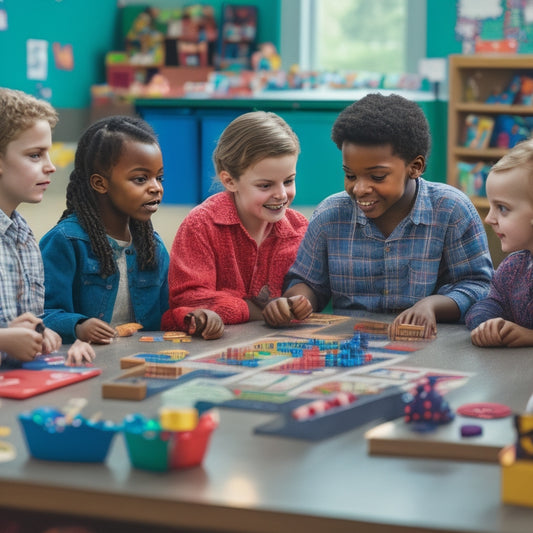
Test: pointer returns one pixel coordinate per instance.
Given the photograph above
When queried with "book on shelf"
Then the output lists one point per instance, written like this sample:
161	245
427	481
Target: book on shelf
472	177
477	131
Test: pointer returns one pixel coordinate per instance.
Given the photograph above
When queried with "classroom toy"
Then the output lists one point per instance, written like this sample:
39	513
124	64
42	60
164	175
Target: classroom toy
50	435
407	332
486	410
172	335
152	447
167	357
324	419
127	330
317	385
178	418
177	355
395	438
427	408
471	430
186	338
516	462
7	452
137	383
397	332
22	383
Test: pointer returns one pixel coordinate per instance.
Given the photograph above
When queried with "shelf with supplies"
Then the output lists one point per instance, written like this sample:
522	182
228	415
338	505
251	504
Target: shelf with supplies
490	109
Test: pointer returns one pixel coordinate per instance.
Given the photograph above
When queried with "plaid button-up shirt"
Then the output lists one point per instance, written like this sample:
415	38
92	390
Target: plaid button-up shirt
21	269
439	248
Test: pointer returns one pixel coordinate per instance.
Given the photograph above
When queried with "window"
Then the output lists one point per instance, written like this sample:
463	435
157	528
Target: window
387	36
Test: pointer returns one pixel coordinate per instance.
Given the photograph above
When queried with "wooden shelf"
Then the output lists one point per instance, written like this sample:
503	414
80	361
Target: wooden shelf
492	74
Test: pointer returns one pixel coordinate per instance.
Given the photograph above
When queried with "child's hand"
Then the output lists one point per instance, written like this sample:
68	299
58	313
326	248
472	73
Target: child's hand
26	320
500	332
488	333
22	343
51	341
420	314
204	323
278	312
281	311
95	330
300	306
515	336
79	353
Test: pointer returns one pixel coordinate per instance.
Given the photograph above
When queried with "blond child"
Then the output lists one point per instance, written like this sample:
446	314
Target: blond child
505	317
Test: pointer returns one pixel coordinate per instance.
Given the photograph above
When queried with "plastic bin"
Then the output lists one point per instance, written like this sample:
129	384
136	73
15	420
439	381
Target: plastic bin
178	132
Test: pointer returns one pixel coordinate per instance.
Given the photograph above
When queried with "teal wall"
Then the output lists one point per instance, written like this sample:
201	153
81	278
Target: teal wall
440	32
90	26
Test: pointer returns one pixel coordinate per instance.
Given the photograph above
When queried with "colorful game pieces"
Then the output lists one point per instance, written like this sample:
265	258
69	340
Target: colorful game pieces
127	330
317	407
175	354
524	436
178	418
427	408
151	446
486	410
149	338
172	335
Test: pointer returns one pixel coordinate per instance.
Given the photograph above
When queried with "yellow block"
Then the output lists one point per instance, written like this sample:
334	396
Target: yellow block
517	478
178	418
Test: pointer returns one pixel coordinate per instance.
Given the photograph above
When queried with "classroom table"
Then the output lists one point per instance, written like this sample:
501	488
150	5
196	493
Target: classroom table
257	483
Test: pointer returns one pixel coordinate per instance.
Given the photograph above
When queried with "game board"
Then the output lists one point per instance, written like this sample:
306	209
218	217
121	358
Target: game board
306	368
22	383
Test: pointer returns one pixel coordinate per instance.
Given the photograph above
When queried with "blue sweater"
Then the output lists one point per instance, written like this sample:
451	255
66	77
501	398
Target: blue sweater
75	290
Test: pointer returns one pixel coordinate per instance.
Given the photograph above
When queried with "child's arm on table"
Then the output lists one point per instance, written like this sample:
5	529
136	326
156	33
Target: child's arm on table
204	323
297	302
95	330
427	311
500	332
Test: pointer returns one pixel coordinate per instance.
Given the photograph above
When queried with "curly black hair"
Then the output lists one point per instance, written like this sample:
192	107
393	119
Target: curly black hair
377	119
99	149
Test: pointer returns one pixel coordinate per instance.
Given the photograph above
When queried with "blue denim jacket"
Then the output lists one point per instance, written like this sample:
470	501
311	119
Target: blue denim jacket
74	289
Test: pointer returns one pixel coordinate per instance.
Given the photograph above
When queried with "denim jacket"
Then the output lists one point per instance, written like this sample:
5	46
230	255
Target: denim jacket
74	289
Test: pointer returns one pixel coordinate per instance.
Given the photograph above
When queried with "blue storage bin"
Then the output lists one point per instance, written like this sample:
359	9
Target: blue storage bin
213	124
178	132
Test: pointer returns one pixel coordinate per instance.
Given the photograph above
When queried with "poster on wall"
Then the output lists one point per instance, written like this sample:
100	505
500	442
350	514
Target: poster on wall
502	26
63	56
36	59
3	20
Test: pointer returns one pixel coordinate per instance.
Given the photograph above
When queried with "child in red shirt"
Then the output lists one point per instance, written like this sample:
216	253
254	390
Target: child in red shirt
231	253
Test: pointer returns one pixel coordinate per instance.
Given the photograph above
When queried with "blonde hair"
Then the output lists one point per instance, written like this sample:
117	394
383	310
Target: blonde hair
521	155
250	138
19	112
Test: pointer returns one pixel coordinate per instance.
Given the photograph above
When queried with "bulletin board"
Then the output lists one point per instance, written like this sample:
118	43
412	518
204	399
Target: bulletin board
495	25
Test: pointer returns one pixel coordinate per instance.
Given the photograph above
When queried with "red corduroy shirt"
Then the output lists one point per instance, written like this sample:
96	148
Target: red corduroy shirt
215	264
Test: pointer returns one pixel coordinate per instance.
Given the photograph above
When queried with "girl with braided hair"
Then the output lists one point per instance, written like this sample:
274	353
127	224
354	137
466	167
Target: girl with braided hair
104	263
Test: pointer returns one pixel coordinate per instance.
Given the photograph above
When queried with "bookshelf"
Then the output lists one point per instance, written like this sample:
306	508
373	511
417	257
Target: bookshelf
474	79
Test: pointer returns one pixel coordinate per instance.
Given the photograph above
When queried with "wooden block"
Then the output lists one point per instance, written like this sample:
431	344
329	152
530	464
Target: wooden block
445	442
129	386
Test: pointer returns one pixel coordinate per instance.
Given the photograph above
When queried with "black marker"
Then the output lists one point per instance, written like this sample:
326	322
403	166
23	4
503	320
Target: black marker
39	328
